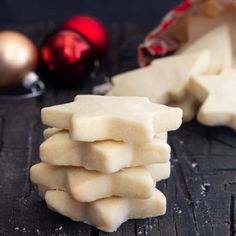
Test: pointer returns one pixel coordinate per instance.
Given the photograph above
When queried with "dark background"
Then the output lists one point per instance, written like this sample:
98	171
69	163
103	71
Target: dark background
29	12
201	192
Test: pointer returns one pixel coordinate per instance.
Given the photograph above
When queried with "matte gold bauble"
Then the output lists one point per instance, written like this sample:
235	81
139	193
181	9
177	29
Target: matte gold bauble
18	57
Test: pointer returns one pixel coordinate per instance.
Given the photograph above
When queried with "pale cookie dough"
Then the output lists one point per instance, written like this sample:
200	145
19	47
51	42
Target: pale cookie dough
198	25
230	72
234	65
217	93
109	213
47	133
218	42
87	186
189	105
104	156
130	119
164	80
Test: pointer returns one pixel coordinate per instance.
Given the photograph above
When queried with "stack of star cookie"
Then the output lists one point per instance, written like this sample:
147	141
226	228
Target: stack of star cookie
103	157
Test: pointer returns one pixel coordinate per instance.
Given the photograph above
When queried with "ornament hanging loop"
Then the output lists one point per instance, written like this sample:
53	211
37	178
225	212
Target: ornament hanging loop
32	84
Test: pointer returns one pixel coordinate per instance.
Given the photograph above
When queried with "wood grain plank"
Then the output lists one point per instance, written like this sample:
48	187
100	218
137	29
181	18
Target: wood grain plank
200	193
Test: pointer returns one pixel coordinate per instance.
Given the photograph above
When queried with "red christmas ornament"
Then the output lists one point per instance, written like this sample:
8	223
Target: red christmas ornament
67	54
91	28
70	52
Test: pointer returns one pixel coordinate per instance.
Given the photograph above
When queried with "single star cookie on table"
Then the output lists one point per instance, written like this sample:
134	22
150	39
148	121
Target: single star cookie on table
105	156
131	119
217	94
87	186
109	213
218	41
164	80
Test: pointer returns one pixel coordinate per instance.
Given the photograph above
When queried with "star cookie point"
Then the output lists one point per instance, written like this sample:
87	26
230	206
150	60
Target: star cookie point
217	93
128	119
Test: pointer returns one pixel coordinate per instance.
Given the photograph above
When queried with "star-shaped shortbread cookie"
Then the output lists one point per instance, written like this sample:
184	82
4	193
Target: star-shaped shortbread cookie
218	42
218	96
88	186
130	119
109	213
105	156
164	80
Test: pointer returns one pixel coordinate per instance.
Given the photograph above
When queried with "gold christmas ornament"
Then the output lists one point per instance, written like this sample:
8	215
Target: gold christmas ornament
18	58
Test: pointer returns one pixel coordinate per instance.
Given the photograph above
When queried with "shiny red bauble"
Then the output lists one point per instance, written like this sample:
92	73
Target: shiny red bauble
67	54
92	29
70	51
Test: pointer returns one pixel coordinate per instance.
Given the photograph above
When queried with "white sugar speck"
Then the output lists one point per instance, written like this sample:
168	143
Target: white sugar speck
194	164
204	188
177	210
181	142
102	88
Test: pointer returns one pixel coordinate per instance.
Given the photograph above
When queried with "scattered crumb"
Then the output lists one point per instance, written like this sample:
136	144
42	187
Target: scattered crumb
17	228
93	75
204	188
177	210
181	142
148	227
102	88
60	228
207	184
194	164
38	232
203	192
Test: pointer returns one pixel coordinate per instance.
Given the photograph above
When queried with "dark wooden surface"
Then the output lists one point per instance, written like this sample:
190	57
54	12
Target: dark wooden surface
200	193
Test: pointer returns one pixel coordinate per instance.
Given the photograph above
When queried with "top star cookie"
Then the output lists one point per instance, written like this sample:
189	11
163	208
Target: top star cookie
217	92
130	119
